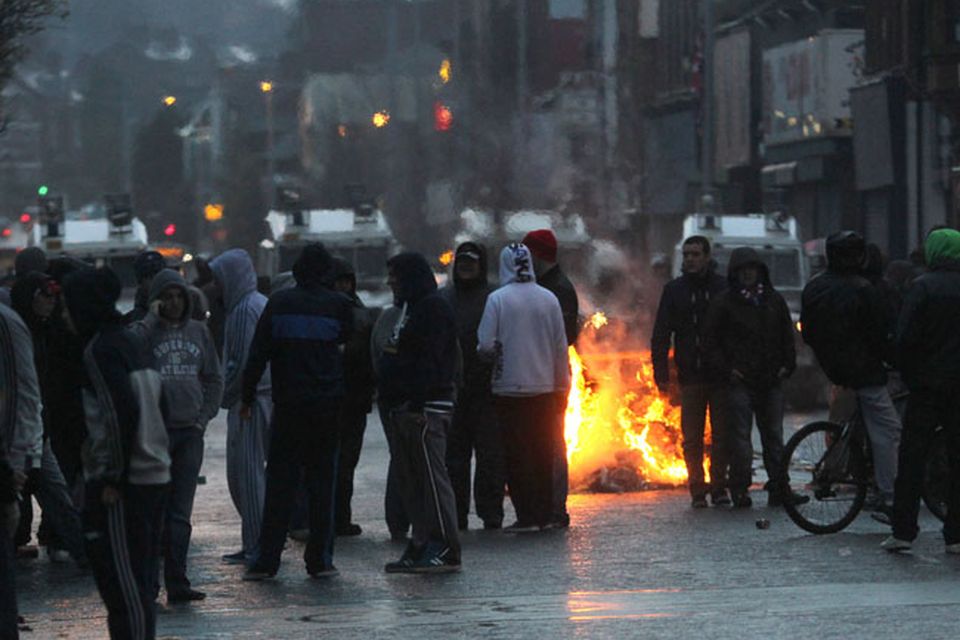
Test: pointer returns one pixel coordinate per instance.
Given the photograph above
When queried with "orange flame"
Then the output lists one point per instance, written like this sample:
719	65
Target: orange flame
446	257
616	416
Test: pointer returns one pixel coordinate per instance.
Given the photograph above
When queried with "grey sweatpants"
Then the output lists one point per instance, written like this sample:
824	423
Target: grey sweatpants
884	427
247	446
425	488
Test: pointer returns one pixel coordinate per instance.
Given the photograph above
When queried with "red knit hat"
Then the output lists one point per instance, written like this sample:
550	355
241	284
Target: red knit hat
542	244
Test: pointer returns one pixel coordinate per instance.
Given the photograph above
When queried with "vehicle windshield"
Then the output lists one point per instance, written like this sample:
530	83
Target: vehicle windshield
783	264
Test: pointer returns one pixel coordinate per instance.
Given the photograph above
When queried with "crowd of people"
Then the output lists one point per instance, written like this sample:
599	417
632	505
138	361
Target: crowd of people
874	331
104	414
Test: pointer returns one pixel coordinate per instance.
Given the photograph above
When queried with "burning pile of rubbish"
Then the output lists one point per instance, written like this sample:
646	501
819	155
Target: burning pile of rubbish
622	434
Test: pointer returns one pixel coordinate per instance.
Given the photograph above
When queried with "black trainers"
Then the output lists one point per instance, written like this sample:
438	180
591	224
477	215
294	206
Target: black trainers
883	513
442	561
324	572
406	561
741	500
719	498
699	502
234	558
254	574
778	498
185	595
349	530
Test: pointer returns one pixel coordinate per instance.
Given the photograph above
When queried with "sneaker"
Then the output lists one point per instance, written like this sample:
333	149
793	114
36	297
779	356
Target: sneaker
349	530
234	558
699	502
185	595
883	513
254	574
325	572
778	498
406	561
519	527
896	545
720	498
952	549
741	500
437	562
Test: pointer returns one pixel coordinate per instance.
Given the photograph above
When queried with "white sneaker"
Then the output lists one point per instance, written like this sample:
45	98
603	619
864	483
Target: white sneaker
953	549
896	545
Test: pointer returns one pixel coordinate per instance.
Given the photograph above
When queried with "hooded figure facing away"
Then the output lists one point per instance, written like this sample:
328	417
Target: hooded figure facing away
417	380
186	356
474	427
749	338
300	334
522	332
247	439
126	460
929	348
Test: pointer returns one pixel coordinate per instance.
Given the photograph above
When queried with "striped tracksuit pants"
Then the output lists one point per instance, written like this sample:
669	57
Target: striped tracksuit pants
123	546
248	442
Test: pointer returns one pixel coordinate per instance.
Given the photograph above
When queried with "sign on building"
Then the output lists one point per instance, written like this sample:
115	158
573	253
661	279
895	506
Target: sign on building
732	78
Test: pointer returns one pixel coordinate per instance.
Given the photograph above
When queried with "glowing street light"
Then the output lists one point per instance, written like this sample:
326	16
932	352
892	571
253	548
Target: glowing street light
266	86
213	212
381	119
170	100
446	71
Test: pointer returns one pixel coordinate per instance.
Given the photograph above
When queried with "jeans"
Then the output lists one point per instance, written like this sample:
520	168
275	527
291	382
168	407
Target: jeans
883	426
398	522
123	544
353	424
423	481
304	443
527	425
474	431
925	410
186	458
695	400
743	404
561	473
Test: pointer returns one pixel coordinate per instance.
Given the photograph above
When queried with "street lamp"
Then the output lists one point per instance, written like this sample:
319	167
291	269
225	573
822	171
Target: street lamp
169	100
266	88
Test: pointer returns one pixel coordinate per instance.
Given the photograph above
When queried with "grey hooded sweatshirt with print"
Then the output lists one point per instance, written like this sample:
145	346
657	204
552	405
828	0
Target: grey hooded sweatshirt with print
186	357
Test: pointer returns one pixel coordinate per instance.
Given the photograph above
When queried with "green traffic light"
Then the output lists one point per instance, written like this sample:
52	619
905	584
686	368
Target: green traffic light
43	190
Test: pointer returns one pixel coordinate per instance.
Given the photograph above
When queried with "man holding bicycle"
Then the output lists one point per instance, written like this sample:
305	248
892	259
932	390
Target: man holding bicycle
928	347
846	323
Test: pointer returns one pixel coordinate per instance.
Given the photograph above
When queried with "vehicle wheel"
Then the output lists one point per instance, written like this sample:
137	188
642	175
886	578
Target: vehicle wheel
936	476
831	474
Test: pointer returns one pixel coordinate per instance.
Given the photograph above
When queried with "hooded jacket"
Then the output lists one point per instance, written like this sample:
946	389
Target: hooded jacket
184	353
928	342
234	272
418	363
21	407
22	296
682	316
299	334
753	337
522	331
357	360
469	299
556	282
122	394
846	321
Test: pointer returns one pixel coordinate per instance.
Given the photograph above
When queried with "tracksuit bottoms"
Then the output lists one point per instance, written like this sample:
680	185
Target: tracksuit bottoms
248	442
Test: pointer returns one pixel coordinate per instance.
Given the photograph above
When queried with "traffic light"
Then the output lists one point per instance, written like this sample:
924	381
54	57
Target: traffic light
43	190
213	212
442	117
51	209
6	232
25	218
170	230
119	209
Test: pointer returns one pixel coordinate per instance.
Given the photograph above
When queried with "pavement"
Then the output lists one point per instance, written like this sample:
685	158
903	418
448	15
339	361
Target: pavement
641	565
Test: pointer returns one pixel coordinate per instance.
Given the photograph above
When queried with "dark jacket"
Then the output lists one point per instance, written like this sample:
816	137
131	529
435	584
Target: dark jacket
8	490
928	340
299	334
557	282
418	364
847	323
468	300
357	360
753	337
681	316
21	297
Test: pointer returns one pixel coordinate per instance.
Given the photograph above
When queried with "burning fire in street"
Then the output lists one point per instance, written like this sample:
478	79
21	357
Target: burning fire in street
621	434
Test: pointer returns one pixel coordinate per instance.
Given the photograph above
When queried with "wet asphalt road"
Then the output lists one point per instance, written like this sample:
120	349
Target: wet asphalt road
633	565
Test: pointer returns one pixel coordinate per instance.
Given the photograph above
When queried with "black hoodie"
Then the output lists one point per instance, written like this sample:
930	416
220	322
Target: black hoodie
21	298
468	299
753	335
418	364
357	360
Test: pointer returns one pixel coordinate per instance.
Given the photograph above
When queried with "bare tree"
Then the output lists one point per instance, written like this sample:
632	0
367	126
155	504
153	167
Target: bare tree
19	19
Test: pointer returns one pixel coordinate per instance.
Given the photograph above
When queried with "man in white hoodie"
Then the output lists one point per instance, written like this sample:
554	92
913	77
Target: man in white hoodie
522	331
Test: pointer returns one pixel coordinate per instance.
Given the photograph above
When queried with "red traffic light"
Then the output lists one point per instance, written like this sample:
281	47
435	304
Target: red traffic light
169	230
25	218
442	117
7	232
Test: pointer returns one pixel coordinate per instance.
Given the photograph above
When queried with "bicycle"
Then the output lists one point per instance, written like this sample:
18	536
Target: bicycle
832	465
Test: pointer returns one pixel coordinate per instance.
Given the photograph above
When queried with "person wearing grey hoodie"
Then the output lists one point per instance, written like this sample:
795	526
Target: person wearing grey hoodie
247	440
186	357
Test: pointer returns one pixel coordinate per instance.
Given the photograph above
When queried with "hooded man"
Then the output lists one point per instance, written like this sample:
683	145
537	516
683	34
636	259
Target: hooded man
35	297
126	459
847	322
358	401
928	346
522	332
749	338
145	266
417	373
186	357
300	334
247	440
474	427
680	322
543	248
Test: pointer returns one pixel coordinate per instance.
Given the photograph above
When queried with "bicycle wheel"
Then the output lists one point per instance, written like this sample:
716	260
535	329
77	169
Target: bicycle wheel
936	476
828	470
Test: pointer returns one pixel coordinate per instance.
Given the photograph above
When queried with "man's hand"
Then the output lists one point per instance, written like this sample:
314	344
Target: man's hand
110	496
246	412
